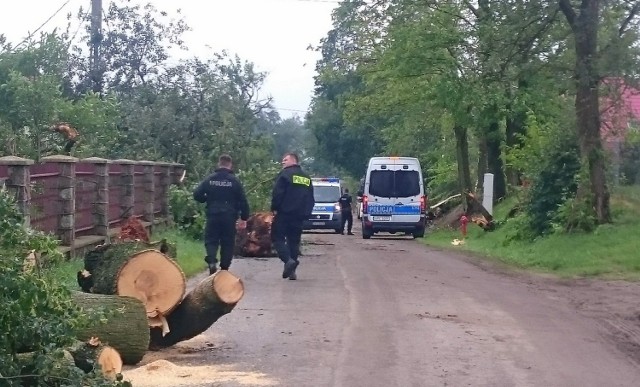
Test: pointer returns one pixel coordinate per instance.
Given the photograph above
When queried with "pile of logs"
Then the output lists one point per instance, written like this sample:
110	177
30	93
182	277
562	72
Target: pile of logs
255	239
140	291
475	211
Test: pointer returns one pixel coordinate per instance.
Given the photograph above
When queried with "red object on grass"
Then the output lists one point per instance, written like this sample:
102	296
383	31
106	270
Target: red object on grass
463	225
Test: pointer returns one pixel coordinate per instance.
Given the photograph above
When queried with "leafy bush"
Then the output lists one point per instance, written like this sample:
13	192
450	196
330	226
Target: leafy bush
554	186
518	229
38	317
258	183
188	215
575	215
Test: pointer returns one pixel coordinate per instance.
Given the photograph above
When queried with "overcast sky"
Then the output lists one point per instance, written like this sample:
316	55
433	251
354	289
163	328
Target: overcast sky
273	34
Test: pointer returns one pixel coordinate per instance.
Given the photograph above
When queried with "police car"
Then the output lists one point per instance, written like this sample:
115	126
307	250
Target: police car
326	211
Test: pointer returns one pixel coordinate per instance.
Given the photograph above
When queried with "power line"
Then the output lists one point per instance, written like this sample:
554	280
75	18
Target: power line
291	110
43	24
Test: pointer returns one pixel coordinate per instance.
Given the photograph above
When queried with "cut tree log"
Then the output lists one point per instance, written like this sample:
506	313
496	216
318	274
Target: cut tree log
90	353
133	230
255	239
211	299
120	322
132	269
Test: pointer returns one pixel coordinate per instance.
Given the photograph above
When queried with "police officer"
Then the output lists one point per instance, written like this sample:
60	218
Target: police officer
225	198
291	203
345	212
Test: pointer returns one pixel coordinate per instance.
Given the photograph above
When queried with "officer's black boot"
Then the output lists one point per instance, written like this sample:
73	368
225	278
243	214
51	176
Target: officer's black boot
289	268
212	268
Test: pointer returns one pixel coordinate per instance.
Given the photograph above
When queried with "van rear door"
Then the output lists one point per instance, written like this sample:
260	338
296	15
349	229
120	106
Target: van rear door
395	194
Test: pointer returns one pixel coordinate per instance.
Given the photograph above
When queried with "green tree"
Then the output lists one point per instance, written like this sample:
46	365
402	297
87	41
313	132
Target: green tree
585	23
39	314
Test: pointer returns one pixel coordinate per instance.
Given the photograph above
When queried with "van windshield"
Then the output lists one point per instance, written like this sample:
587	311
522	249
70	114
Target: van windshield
400	184
326	194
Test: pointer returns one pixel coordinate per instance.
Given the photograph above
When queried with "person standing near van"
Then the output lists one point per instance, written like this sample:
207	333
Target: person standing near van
346	213
291	203
225	198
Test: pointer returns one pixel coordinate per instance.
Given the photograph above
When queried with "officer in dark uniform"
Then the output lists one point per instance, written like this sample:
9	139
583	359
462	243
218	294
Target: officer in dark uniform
225	199
291	203
345	212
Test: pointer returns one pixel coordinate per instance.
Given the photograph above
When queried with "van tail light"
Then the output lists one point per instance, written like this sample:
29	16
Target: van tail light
423	204
365	204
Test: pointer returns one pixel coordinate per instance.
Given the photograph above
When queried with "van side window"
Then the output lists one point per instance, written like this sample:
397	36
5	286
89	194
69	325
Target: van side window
394	183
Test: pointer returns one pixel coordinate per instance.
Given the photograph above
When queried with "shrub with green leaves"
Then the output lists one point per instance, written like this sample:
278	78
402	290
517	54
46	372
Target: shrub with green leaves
188	215
38	317
553	187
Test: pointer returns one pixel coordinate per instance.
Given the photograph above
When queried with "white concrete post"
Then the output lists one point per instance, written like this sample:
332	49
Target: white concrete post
487	197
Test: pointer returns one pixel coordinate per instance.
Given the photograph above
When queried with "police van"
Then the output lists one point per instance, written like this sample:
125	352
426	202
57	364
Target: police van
394	199
326	211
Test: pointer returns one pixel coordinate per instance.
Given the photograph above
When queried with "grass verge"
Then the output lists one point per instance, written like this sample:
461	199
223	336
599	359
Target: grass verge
612	251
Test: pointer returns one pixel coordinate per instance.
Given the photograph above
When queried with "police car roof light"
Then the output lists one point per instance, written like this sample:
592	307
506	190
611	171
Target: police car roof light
327	179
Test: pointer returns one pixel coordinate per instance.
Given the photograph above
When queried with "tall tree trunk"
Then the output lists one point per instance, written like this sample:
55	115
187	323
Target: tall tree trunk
585	30
462	157
494	161
483	165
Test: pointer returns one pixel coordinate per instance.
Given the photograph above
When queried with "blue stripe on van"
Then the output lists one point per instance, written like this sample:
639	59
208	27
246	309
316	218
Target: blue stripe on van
323	208
407	209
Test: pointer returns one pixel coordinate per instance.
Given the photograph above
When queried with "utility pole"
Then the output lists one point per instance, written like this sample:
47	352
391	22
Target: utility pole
96	41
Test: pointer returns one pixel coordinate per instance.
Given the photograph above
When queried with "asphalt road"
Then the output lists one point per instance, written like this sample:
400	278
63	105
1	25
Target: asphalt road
392	312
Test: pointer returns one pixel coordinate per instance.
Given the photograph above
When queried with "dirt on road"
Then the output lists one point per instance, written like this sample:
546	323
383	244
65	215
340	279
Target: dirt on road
391	312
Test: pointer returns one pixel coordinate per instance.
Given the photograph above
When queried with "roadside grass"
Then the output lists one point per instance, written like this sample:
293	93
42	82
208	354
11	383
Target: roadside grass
190	258
190	252
612	251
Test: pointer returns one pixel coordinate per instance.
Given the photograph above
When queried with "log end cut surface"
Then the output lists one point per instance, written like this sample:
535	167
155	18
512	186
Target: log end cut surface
154	279
110	362
228	287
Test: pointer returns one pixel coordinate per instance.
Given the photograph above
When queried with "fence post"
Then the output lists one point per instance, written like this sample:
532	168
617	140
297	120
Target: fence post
165	182
67	196
19	183
101	201
148	181
178	173
127	183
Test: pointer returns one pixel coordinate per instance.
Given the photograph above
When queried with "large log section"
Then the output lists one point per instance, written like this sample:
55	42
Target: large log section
211	299
120	322
133	269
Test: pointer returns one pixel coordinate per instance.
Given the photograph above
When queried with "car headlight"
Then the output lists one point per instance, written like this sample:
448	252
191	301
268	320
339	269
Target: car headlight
336	207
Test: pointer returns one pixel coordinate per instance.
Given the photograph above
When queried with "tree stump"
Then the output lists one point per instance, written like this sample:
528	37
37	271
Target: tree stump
132	269
255	240
124	325
211	299
87	355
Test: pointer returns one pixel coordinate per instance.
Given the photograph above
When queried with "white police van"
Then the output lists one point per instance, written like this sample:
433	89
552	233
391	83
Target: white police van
394	199
326	211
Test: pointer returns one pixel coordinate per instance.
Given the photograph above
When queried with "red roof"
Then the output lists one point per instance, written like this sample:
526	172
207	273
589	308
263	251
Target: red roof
619	108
